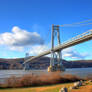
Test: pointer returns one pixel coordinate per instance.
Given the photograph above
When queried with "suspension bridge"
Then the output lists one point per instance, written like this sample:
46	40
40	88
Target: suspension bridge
55	51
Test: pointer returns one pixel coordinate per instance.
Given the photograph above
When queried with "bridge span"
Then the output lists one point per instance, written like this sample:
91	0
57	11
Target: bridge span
74	41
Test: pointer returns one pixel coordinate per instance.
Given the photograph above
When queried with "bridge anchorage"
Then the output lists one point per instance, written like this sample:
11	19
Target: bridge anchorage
56	56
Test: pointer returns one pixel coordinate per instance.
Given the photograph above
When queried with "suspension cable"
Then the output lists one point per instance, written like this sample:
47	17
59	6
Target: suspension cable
82	23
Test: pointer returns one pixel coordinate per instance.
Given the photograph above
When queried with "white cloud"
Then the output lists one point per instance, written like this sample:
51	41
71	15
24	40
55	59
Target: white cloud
35	50
73	54
16	48
19	37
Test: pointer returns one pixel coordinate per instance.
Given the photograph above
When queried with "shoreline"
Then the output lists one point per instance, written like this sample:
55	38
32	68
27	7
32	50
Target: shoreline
50	88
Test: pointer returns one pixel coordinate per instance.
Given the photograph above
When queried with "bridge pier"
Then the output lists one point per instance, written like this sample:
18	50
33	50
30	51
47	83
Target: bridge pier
56	57
26	66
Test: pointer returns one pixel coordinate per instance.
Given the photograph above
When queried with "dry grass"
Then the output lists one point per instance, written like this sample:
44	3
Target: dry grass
87	88
39	80
50	88
88	77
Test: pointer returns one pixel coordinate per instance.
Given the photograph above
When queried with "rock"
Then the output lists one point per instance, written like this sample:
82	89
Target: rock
64	89
76	84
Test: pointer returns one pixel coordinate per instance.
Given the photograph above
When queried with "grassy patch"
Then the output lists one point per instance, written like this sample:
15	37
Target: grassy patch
51	88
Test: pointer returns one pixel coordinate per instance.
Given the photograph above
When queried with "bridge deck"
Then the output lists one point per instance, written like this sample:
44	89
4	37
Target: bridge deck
74	41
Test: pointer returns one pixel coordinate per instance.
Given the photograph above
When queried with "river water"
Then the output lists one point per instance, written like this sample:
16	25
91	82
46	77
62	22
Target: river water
81	72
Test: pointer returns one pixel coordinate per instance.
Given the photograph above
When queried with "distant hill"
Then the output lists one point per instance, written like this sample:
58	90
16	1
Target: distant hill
41	63
11	63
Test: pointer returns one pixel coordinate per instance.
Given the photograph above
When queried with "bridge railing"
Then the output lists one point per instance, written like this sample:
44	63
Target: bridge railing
78	37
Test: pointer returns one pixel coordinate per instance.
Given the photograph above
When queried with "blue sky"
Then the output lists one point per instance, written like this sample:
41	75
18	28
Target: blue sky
38	16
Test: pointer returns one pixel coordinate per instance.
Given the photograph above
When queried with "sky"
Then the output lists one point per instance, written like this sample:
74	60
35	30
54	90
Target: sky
25	26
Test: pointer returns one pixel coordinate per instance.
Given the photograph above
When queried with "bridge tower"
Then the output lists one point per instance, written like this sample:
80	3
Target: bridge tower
26	65
56	57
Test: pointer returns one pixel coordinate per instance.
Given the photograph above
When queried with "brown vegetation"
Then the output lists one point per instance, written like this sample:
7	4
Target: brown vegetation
88	77
39	80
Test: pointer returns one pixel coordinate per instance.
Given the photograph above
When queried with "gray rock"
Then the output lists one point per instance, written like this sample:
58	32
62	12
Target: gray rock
64	89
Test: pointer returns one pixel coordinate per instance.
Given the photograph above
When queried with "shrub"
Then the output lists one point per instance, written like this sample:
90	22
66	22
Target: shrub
38	80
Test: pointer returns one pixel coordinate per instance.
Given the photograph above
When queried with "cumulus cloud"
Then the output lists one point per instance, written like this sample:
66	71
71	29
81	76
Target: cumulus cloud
20	37
35	50
16	48
73	54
